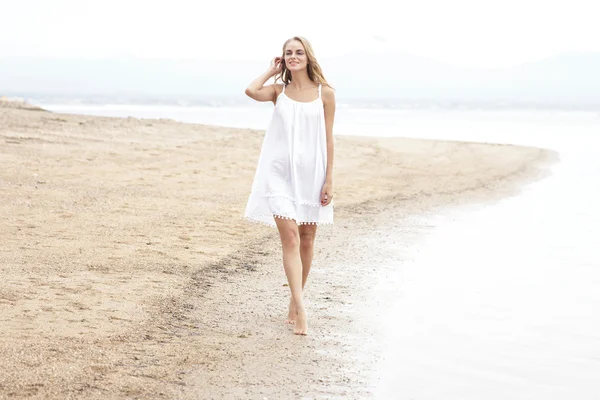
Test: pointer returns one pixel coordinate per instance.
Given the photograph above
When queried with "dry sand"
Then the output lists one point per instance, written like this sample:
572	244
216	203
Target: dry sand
129	272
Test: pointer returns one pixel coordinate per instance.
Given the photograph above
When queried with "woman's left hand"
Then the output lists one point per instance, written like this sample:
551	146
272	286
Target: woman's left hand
326	194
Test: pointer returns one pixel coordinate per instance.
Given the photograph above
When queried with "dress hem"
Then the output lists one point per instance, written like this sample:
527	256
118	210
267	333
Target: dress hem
257	219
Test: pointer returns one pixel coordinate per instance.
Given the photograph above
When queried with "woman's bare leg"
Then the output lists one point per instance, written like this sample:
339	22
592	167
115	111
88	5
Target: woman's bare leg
307	241
292	264
307	247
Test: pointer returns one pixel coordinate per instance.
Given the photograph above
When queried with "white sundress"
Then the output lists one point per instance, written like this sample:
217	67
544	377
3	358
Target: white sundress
292	166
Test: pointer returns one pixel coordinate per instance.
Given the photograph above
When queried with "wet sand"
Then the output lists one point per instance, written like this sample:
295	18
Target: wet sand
129	272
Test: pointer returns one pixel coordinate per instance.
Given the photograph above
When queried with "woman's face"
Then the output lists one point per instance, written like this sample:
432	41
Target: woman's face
295	56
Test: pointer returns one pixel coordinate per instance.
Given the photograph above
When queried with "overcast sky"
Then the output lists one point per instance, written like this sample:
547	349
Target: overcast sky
469	33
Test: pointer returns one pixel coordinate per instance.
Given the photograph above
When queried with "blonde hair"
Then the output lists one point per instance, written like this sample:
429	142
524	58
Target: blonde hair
313	68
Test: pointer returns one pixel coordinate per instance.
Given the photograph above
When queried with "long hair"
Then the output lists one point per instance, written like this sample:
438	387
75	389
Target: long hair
313	68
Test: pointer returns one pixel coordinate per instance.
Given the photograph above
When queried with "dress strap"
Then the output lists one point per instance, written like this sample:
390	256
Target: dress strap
283	91
319	90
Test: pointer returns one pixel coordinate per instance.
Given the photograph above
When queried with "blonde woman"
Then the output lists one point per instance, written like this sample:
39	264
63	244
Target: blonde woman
293	184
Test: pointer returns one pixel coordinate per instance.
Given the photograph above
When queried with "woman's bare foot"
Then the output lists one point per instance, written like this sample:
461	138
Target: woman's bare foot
301	326
292	313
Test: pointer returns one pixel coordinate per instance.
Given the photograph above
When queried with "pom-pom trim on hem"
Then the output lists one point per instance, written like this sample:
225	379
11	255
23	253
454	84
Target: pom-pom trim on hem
256	219
297	202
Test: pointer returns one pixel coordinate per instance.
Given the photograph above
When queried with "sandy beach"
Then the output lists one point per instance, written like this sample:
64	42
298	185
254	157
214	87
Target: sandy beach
128	270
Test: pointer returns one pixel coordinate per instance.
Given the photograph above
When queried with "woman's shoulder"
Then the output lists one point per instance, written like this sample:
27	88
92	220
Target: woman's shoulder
328	93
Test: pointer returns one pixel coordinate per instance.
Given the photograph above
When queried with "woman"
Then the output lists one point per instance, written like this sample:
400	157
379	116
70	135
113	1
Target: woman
293	185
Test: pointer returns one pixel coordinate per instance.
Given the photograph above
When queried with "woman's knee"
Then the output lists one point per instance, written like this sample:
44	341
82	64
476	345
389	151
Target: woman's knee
288	232
307	239
289	237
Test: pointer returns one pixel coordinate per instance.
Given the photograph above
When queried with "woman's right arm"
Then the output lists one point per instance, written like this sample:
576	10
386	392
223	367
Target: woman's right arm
257	91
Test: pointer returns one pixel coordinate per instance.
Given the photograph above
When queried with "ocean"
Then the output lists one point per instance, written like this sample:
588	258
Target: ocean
499	300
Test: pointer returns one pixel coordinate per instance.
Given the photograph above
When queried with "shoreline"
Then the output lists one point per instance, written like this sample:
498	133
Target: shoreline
114	226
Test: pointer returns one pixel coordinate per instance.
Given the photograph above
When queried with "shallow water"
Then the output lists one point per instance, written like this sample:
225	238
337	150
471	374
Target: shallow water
497	301
502	301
